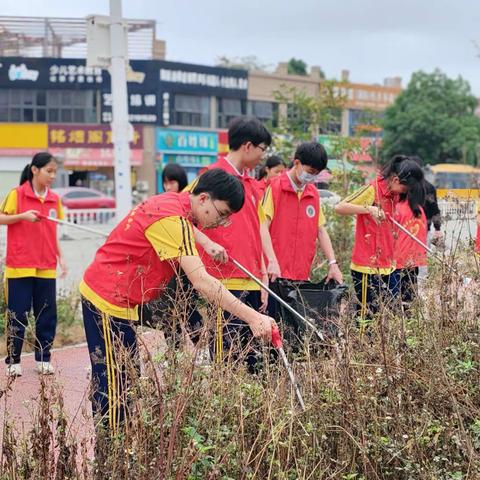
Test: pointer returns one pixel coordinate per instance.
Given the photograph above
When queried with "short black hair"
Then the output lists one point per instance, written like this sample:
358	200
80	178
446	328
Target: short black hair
220	185
247	129
312	154
175	172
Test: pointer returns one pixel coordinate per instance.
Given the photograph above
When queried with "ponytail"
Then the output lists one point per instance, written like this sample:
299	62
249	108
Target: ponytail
410	174
26	174
39	160
262	172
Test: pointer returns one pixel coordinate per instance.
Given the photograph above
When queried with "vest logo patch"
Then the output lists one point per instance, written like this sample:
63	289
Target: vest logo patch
52	213
310	210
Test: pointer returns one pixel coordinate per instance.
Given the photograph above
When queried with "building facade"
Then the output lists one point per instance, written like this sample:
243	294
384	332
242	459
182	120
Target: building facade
179	112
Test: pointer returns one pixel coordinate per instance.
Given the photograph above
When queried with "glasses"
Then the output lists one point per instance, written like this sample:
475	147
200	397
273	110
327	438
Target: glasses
262	148
223	219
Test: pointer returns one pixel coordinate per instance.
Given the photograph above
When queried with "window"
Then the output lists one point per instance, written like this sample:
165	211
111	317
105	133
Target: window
229	108
64	106
266	112
365	123
191	111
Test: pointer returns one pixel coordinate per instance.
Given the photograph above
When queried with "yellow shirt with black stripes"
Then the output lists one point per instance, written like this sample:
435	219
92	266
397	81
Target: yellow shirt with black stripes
269	207
365	197
172	238
9	206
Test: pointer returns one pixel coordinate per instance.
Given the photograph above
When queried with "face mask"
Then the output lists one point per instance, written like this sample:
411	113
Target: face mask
304	177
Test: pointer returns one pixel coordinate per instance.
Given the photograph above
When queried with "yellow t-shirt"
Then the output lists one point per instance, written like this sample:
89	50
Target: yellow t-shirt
269	207
236	283
171	238
365	197
9	207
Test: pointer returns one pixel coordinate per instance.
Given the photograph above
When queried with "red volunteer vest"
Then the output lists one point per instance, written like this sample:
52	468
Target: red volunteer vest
126	270
374	244
242	238
261	186
33	245
294	227
408	253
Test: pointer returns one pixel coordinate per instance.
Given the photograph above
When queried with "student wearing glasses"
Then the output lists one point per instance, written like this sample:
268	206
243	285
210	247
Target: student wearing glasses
134	266
246	239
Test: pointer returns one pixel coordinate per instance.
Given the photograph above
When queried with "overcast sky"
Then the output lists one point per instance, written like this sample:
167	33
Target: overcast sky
373	39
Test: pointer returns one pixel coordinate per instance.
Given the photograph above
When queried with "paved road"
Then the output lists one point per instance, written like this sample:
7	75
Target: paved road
72	376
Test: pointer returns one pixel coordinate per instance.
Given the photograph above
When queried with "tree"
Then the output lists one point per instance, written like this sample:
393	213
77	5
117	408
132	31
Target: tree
434	119
297	67
302	118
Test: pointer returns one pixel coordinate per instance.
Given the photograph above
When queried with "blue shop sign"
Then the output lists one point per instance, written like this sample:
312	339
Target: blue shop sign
186	141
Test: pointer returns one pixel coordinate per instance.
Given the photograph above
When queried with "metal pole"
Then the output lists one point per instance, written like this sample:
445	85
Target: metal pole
120	127
278	344
74	225
425	246
279	299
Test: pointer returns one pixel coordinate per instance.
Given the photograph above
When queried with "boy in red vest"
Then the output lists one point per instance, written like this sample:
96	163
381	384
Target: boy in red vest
246	239
410	255
133	267
295	218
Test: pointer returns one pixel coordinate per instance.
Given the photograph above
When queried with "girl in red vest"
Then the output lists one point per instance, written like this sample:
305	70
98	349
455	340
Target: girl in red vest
33	251
273	167
410	255
373	259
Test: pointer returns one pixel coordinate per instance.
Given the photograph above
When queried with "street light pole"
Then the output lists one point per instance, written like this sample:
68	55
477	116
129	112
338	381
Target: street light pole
121	128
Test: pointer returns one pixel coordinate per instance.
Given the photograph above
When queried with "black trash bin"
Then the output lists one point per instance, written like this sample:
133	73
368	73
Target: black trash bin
318	302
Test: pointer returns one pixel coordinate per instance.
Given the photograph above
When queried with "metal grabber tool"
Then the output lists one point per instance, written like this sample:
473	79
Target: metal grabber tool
277	343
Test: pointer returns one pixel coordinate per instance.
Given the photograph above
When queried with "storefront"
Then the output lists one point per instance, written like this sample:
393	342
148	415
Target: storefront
86	152
192	149
18	144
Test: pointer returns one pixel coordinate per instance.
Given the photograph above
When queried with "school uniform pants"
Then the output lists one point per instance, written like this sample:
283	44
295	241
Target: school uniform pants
23	295
112	345
408	283
374	291
233	339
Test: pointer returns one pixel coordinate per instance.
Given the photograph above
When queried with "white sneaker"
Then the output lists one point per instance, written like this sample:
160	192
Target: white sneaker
45	368
14	370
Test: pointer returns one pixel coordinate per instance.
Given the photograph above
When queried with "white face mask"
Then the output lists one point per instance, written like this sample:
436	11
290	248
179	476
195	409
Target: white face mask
305	177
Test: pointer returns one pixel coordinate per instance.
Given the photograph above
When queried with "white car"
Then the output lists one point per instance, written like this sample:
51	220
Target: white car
328	197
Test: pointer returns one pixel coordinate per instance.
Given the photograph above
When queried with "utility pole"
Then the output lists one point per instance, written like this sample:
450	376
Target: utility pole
107	48
121	128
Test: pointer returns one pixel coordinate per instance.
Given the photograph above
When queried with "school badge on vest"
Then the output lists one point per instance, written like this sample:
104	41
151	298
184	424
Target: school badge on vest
310	210
52	213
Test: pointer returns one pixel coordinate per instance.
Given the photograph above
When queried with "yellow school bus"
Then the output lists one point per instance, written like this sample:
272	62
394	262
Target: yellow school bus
454	180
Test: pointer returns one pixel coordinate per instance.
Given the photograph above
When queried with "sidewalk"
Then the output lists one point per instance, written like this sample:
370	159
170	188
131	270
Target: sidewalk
72	376
20	403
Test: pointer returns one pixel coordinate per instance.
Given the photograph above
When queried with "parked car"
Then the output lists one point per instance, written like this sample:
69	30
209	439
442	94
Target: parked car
328	198
84	198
